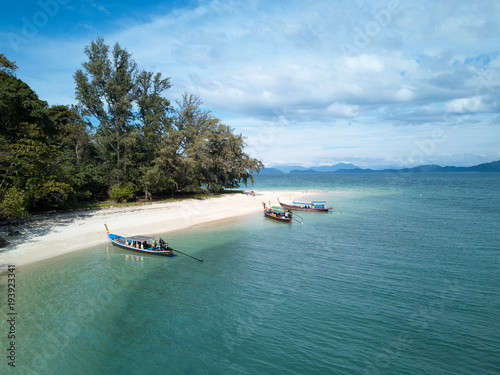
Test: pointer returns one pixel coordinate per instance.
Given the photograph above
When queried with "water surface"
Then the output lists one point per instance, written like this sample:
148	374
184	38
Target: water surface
401	278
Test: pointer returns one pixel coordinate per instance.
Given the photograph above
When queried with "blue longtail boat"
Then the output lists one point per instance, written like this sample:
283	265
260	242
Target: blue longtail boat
141	244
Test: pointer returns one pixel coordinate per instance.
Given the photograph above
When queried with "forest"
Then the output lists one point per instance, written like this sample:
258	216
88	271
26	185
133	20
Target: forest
123	140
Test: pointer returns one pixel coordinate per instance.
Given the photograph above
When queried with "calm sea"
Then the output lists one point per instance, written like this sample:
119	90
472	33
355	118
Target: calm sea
403	277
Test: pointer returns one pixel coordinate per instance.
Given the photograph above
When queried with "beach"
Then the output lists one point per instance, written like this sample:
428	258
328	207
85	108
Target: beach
60	233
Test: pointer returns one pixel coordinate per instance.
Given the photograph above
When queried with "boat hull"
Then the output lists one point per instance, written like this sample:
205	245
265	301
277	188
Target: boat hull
115	240
278	218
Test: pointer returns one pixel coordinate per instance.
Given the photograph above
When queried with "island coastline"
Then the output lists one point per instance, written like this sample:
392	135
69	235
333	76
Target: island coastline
62	233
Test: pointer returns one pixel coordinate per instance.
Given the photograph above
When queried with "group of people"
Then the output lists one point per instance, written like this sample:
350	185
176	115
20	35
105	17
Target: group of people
162	245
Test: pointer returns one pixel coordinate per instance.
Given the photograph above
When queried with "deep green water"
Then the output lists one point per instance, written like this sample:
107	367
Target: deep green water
403	277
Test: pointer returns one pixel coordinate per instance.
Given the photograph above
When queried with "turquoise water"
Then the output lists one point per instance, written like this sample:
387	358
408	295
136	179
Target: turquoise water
403	277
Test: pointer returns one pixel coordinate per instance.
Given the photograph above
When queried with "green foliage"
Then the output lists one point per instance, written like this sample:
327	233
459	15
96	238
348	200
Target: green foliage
7	65
206	152
122	193
122	139
128	106
18	104
34	171
38	169
105	88
14	204
72	132
226	164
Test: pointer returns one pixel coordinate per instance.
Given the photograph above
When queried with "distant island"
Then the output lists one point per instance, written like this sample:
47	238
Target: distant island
351	168
299	169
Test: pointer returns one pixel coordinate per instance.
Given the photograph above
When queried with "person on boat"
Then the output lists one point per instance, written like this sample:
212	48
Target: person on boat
162	244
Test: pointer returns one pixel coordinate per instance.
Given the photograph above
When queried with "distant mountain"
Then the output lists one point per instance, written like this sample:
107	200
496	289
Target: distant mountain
288	168
323	168
494	166
304	171
333	168
270	171
351	168
485	167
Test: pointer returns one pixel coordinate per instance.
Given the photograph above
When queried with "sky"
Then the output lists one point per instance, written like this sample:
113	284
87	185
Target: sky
390	83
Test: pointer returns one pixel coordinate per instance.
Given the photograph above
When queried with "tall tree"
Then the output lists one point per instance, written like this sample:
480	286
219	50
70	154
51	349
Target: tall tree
202	151
226	164
153	111
153	116
106	89
129	107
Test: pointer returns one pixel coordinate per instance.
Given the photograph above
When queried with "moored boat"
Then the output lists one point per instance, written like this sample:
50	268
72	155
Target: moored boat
277	214
141	244
306	206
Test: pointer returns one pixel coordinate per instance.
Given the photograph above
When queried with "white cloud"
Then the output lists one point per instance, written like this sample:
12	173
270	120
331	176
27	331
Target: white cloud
364	63
404	94
465	105
255	61
344	110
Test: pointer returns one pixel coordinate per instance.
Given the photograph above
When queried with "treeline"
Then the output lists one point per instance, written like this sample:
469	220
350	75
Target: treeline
123	140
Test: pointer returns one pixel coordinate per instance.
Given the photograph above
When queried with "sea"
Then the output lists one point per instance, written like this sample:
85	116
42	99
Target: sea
401	277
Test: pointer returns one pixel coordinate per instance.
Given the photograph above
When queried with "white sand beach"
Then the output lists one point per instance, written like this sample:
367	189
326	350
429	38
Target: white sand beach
61	233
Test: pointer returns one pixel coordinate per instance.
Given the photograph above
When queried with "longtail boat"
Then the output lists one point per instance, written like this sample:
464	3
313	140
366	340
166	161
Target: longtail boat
141	244
306	206
277	214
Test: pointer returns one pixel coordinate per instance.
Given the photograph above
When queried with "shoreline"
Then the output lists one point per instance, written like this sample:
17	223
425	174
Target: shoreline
63	233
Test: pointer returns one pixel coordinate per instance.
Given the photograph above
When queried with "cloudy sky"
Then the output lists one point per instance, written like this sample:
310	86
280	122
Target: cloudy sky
374	83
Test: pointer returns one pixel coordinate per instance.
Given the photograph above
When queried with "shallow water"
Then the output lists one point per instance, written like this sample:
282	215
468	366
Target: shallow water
401	278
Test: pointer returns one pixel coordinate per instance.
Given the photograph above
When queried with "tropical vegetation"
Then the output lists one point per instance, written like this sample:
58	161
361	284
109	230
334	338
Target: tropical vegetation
123	140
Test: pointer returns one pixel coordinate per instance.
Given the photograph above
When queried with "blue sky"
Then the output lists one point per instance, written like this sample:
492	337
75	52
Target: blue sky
375	83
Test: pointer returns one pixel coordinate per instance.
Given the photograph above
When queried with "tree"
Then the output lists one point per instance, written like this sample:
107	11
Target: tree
153	116
7	65
153	111
72	131
227	165
18	104
191	124
78	153
202	151
106	89
34	176
129	108
32	173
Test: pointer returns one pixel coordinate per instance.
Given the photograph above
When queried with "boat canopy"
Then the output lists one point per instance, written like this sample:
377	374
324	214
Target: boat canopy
276	208
139	238
311	203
